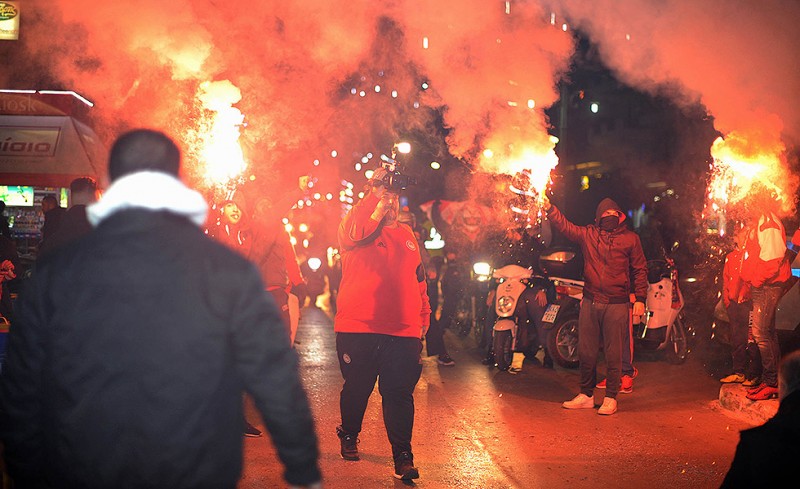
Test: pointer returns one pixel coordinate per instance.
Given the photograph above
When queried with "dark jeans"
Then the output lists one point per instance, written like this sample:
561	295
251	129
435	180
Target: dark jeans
765	300
746	358
434	338
452	292
530	333
282	301
609	322
395	363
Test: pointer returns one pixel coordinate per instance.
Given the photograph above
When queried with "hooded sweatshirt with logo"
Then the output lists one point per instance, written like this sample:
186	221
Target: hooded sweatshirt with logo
612	259
383	288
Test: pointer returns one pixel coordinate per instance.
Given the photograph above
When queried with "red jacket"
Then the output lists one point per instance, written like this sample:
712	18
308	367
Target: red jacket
734	289
765	261
383	288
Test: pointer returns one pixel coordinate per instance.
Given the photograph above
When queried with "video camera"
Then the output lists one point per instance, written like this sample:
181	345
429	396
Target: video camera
394	180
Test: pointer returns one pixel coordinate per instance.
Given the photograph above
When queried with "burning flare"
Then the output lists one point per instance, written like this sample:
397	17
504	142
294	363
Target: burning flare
215	141
740	166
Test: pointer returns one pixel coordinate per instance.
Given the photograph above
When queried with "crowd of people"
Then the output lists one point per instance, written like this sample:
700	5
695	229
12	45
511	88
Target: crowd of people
141	291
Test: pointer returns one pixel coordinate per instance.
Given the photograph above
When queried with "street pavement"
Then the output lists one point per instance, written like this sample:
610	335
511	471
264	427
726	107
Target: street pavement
477	427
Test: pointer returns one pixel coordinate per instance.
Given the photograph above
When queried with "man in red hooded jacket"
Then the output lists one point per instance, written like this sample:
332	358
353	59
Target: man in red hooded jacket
382	313
766	269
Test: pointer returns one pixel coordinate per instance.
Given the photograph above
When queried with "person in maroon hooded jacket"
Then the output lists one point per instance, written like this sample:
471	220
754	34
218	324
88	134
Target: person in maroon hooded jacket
612	256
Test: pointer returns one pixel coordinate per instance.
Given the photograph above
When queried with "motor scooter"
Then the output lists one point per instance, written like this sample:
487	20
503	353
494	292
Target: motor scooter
512	282
662	327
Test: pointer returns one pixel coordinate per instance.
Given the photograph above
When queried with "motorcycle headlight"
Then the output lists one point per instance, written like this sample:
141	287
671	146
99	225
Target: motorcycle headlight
482	269
505	305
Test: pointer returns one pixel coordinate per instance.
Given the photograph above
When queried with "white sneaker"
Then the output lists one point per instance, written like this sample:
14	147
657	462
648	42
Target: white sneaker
581	401
609	407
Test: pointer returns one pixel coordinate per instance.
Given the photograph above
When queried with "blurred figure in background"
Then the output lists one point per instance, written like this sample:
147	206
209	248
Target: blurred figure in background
53	214
334	279
9	267
74	224
434	338
5	229
230	229
273	253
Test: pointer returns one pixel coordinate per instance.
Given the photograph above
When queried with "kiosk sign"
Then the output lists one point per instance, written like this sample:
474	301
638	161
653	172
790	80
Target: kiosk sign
9	21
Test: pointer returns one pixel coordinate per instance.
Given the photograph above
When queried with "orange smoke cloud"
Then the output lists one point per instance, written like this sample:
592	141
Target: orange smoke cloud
736	57
495	70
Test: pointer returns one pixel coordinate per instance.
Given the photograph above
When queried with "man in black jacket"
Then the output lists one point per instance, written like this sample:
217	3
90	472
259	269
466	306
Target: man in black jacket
134	345
612	255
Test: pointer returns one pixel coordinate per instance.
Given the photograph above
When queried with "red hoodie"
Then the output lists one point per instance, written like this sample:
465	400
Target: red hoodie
383	288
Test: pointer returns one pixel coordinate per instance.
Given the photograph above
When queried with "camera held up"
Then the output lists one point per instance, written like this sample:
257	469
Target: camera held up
395	180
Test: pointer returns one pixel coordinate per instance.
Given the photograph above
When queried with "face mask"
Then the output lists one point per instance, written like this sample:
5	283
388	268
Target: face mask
608	223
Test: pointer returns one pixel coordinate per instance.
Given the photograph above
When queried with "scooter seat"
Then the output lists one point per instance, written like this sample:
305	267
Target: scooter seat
514	272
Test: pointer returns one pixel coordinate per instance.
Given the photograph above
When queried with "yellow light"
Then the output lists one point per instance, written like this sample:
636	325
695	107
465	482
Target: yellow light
435	165
488	153
425	42
303	227
369	173
403	147
531	103
288	227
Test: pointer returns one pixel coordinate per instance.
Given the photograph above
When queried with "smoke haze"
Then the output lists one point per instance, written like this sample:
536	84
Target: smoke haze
318	76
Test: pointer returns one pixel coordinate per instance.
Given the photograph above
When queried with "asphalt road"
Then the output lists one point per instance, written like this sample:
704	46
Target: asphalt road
478	427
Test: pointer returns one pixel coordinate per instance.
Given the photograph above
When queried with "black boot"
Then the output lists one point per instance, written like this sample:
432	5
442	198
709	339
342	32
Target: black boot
547	361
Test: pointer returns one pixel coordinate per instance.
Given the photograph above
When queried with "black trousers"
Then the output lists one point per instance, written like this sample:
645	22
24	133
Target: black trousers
395	363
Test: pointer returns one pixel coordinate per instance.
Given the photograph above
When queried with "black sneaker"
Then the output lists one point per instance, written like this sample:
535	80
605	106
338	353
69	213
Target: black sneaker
444	359
349	443
404	467
251	431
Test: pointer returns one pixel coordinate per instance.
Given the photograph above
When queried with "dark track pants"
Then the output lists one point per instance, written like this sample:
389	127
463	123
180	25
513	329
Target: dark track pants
607	322
395	363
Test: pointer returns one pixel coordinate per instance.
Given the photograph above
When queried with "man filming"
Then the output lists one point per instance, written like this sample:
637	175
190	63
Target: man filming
382	313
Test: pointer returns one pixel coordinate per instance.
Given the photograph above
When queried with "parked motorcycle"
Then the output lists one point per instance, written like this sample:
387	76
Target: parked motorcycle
564	265
512	282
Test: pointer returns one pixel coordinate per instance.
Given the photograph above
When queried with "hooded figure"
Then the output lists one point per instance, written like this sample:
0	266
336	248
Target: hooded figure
612	256
232	226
